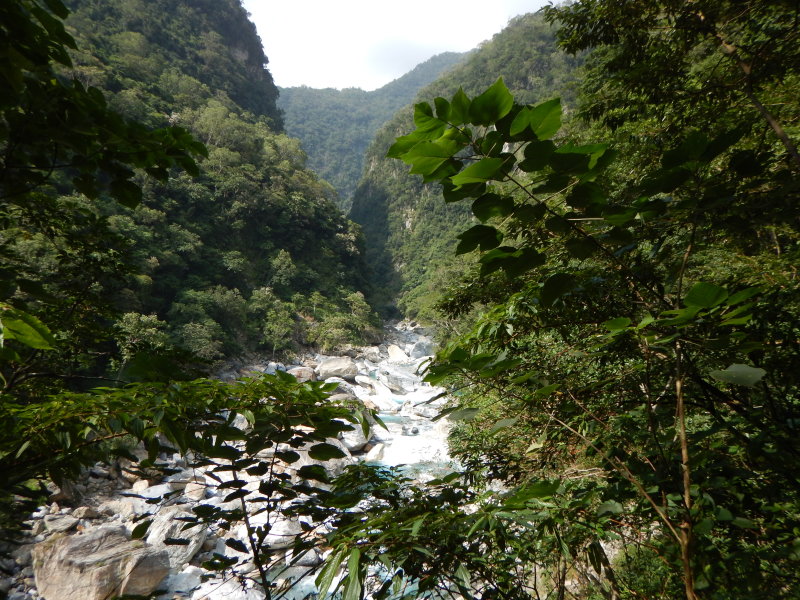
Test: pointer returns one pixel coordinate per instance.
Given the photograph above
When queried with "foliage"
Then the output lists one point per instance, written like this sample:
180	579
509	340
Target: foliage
625	345
336	126
408	231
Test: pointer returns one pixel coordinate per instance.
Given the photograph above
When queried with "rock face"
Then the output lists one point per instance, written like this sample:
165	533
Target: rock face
97	564
341	366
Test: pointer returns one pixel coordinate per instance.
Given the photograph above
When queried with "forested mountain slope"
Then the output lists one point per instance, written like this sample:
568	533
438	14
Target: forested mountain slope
336	126
409	231
214	263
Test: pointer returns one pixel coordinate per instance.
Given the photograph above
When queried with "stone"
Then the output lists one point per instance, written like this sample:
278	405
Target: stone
182	584
309	558
422	348
372	354
97	564
22	555
396	354
376	453
59	523
341	366
228	589
195	491
140	486
398	380
165	525
334	466
303	374
343	386
355	439
85	512
126	507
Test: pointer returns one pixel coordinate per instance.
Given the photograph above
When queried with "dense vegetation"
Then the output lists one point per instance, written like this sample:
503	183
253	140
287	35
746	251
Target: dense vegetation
336	126
632	377
408	232
627	284
151	225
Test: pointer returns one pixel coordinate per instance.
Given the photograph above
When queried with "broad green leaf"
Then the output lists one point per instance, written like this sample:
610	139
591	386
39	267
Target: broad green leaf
556	286
237	545
442	108
141	529
491	105
544	119
479	172
459	108
609	507
481	236
689	150
315	472
464	414
537	155
503	423
739	374
580	248
428	126
325	451
617	324
705	295
25	328
492	205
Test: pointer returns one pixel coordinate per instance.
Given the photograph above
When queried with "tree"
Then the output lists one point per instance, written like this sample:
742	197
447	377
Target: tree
622	373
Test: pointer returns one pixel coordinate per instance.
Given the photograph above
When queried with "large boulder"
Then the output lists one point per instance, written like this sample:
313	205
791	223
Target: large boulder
303	374
167	525
339	366
97	564
396	354
422	348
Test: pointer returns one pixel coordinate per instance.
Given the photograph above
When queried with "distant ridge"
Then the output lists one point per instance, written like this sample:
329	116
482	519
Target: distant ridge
336	126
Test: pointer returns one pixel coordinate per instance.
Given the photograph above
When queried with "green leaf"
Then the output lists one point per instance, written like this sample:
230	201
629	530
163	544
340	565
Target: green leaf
689	150
743	523
442	108
482	236
544	119
556	286
491	105
479	172
617	324
25	328
739	374
502	424
314	472
464	414
328	572
141	530
237	545
609	507
352	587
537	155
325	451
492	205
428	126
705	295
126	192
580	248
459	108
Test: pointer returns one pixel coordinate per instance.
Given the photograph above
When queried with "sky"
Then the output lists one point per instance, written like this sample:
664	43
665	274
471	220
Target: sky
368	43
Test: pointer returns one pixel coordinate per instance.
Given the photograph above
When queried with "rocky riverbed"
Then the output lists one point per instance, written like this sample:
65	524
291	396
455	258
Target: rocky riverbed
80	546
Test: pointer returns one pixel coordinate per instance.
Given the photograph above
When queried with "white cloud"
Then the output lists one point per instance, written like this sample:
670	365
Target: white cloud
367	43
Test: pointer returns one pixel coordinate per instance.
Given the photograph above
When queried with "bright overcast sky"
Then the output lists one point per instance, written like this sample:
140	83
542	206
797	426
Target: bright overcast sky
368	43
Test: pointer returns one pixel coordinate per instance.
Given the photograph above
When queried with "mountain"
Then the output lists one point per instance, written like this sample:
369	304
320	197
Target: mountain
336	126
249	253
409	231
